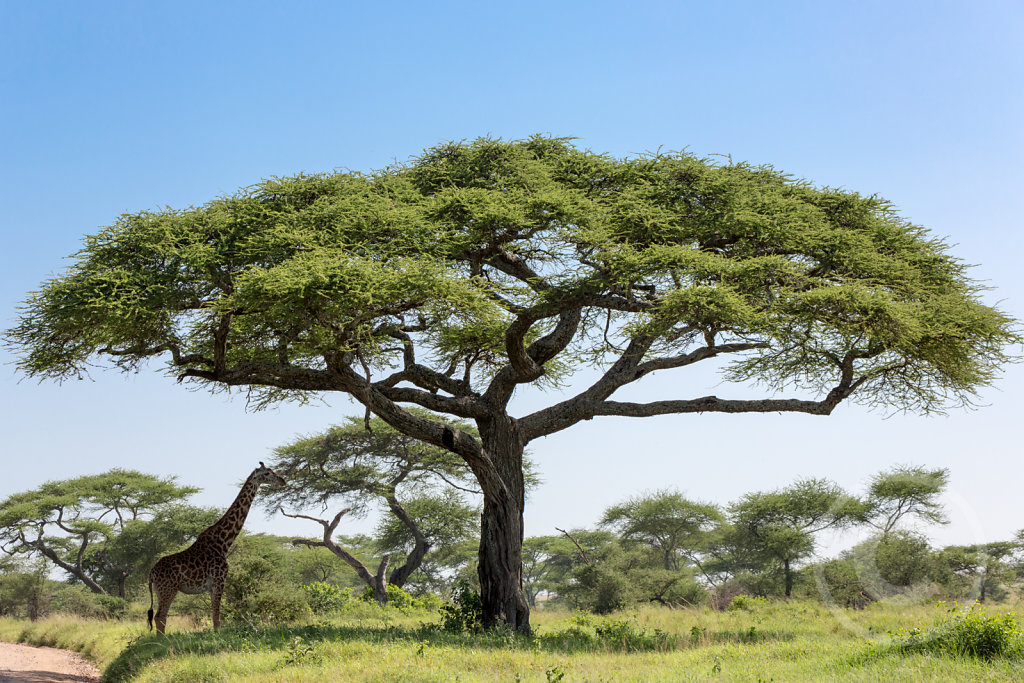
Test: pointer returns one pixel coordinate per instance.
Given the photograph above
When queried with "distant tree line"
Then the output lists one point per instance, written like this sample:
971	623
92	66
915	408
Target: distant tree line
102	533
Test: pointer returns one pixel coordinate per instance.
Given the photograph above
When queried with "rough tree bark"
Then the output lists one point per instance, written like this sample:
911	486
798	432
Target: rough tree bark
500	567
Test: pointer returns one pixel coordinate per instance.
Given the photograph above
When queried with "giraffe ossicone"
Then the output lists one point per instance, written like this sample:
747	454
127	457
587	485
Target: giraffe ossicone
203	566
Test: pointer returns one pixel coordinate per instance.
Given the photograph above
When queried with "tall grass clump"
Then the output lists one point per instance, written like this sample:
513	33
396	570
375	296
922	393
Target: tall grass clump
964	632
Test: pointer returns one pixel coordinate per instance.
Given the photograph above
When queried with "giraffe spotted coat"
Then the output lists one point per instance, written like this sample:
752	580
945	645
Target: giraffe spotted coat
203	566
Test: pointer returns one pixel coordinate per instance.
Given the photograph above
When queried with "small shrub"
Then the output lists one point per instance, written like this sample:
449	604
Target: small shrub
324	598
555	673
400	599
300	652
966	633
624	635
464	613
746	603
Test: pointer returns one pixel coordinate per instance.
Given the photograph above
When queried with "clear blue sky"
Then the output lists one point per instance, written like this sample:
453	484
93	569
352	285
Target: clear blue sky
117	107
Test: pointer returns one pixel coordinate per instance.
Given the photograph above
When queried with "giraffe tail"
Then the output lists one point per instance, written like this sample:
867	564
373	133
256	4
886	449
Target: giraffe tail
149	614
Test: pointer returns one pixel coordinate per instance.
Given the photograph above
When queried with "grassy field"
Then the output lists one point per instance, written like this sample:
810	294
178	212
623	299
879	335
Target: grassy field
779	641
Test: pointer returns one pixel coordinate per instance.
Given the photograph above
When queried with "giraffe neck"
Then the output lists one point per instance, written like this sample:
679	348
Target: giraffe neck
226	529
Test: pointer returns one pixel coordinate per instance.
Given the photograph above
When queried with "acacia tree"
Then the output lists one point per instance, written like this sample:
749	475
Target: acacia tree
478	268
363	464
665	521
450	526
780	525
74	523
906	490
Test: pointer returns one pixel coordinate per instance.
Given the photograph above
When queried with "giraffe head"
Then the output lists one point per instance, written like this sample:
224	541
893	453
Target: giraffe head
265	475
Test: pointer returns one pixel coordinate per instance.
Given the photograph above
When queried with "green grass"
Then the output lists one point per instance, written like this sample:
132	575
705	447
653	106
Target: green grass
778	641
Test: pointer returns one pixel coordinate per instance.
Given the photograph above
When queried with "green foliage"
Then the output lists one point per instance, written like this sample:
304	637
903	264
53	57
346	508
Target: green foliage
747	603
664	520
629	638
966	632
25	590
548	561
398	598
258	593
844	585
614	577
309	267
780	525
981	571
78	600
449	526
361	468
325	598
906	491
464	612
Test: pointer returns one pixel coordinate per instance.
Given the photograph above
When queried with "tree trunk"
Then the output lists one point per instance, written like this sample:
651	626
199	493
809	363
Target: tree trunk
420	547
380	584
501	527
789	576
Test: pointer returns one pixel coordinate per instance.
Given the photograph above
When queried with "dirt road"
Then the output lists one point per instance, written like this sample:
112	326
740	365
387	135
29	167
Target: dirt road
27	664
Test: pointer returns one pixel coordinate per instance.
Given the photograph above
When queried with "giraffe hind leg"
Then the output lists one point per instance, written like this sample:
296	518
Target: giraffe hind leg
164	599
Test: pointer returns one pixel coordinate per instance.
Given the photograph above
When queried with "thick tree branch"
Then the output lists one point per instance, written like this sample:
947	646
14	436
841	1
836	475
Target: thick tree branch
328	542
421	375
176	355
627	369
428	431
279	375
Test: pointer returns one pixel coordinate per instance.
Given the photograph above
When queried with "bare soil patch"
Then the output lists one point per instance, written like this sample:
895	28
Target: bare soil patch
27	664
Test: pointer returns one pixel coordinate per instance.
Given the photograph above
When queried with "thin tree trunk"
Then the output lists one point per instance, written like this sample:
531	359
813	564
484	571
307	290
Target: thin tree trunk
789	577
415	558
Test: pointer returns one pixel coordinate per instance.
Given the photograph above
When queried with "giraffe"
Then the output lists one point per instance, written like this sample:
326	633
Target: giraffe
203	566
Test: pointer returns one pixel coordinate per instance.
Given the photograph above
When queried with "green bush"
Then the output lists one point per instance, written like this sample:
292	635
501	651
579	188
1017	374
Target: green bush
624	635
966	633
324	598
464	613
746	603
844	585
257	593
80	601
400	599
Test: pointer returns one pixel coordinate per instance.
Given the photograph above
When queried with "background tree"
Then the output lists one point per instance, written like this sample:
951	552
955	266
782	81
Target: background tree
68	521
449	525
25	588
666	521
477	268
612	575
981	570
547	563
780	525
121	563
906	491
366	463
